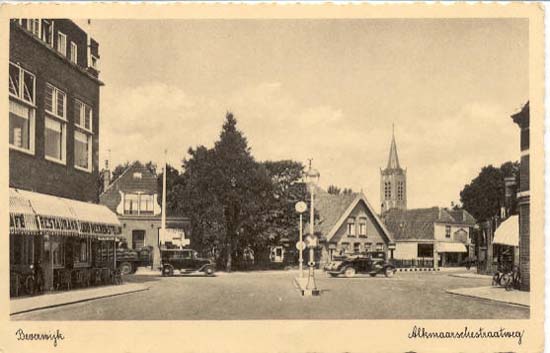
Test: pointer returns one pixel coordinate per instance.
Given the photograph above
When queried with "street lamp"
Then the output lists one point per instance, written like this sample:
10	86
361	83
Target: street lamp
312	178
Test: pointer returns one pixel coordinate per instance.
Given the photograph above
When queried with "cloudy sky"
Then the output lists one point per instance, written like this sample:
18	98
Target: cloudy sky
323	89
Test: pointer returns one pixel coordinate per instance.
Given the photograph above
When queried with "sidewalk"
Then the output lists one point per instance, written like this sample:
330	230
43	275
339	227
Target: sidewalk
21	305
471	275
498	294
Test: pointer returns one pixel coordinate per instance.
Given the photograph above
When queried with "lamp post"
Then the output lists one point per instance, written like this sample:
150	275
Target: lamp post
312	178
301	207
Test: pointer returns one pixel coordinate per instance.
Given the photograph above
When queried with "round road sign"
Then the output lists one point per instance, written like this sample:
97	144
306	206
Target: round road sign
311	241
300	245
300	207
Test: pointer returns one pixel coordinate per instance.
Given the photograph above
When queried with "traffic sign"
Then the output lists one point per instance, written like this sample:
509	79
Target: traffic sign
311	241
300	245
300	207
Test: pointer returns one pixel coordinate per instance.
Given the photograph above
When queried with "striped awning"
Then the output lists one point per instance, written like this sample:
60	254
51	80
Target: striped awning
22	216
65	217
508	232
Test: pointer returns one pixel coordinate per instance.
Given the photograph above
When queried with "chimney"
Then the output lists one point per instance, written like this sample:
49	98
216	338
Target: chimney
106	175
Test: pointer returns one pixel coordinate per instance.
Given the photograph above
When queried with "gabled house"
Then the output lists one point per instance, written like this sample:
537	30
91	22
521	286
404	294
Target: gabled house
134	197
431	233
347	224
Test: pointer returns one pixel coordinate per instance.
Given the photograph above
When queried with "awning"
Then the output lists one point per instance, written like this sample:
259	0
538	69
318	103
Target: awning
60	216
508	232
22	216
451	247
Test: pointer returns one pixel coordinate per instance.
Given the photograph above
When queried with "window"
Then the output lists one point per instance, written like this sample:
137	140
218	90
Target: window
58	251
94	62
379	246
356	247
83	115
62	43
22	84
82	250
55	124
47	32
21	126
425	250
55	102
362	227
400	190
146	204
138	239
447	231
351	227
137	175
131	202
368	247
83	150
344	247
74	52
387	190
33	26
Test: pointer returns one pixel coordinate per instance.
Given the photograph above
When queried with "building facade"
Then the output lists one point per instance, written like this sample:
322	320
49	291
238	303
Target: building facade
523	197
430	234
347	225
57	230
393	182
134	198
54	109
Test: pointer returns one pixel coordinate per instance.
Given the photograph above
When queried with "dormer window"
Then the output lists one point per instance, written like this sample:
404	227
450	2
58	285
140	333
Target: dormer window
62	43
137	175
74	52
33	26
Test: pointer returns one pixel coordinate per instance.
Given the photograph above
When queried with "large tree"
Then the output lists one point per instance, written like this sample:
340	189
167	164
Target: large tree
227	184
484	196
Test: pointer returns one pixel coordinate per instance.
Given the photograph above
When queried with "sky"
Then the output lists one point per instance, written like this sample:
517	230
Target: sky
329	90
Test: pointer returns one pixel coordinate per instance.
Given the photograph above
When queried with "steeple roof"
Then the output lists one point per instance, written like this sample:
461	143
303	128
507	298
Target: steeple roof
393	160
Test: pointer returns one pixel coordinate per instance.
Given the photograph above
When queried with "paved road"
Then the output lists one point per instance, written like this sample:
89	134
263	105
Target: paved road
272	295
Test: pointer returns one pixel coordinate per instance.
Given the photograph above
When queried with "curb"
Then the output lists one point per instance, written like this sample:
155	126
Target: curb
416	269
78	301
488	299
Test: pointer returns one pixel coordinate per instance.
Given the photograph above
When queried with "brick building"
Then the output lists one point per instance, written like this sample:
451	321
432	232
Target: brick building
523	197
133	196
56	226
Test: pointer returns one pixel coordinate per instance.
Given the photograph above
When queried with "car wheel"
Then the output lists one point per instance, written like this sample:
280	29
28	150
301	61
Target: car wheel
209	271
125	268
388	271
349	272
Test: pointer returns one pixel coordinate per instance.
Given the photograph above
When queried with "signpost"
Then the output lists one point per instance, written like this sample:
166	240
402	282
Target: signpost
301	207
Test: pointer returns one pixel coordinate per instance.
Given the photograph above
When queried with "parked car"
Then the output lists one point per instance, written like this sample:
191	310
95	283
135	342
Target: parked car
186	261
372	264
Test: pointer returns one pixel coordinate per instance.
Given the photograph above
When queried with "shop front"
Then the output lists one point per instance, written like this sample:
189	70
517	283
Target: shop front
451	254
58	243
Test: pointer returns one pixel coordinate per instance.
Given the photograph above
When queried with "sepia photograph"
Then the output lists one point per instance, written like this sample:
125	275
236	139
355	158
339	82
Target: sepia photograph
213	169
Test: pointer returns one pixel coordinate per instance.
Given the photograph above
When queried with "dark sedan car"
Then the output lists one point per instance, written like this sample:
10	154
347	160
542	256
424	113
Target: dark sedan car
372	264
185	261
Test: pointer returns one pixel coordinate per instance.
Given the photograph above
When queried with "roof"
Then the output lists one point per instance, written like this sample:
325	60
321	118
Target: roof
419	223
334	210
126	182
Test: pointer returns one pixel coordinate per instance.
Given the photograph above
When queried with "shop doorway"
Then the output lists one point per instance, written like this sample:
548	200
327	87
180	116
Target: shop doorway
138	238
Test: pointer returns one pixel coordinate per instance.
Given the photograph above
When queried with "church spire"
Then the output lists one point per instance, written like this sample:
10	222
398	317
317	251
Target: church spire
393	160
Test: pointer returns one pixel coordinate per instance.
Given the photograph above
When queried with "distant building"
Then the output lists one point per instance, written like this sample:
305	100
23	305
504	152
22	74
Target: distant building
523	197
347	224
393	182
431	233
134	197
57	229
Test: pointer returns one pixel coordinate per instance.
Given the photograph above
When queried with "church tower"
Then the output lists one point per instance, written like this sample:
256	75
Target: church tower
393	182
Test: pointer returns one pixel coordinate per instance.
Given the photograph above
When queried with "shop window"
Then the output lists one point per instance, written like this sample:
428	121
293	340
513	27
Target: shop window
425	250
58	251
83	251
351	227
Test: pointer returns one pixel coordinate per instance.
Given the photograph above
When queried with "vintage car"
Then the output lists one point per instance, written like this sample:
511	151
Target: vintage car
185	261
372	263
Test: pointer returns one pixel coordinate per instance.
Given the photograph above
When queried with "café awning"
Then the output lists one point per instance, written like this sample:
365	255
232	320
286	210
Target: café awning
22	216
508	232
451	247
61	216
